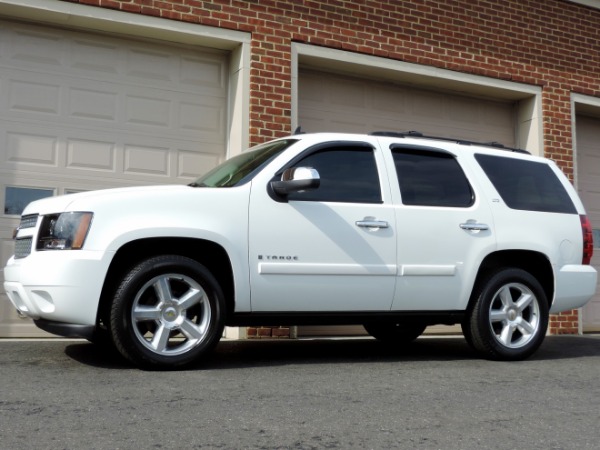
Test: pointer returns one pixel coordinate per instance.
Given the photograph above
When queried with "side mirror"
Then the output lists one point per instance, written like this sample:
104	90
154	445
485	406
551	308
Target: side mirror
297	179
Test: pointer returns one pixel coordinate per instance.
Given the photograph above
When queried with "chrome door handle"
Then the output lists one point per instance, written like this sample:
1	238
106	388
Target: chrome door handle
474	226
371	223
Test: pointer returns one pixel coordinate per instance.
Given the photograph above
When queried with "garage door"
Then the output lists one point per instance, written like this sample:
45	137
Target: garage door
80	111
329	102
588	182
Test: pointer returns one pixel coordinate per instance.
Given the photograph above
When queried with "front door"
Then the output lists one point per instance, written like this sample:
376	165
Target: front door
329	249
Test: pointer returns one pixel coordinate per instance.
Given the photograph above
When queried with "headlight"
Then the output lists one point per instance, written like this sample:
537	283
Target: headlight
66	231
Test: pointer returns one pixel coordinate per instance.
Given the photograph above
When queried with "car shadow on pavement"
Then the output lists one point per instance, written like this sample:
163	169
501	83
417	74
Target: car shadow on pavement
233	354
96	355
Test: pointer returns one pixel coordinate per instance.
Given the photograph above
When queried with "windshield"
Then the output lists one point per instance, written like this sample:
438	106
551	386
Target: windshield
241	168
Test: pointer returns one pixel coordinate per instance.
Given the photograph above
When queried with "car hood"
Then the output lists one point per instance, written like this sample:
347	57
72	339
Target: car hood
88	201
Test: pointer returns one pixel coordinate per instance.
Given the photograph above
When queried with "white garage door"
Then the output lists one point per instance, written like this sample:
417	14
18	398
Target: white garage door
588	182
81	111
329	102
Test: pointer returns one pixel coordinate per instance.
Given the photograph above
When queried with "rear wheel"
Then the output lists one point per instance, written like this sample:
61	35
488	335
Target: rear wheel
509	318
167	312
394	332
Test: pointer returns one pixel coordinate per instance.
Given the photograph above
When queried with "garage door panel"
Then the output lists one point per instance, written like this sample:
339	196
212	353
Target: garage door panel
76	103
91	56
330	102
338	95
149	65
89	154
428	106
203	115
56	98
146	160
463	109
309	92
501	116
184	71
33	96
146	110
92	103
181	115
192	164
23	147
31	47
81	54
385	103
208	73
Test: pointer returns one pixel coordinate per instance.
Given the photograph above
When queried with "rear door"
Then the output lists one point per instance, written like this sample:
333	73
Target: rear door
445	229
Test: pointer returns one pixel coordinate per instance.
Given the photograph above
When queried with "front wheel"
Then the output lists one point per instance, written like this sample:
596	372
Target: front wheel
167	312
509	317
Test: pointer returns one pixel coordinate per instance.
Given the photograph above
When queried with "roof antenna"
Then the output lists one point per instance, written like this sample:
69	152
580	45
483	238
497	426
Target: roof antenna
299	130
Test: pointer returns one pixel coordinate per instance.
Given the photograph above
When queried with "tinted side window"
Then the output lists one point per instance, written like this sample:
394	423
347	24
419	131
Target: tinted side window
347	175
526	185
430	178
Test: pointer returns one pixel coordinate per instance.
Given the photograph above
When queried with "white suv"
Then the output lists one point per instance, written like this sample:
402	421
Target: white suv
394	231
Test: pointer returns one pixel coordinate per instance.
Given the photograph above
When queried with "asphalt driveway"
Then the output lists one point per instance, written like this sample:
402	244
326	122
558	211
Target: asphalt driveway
304	394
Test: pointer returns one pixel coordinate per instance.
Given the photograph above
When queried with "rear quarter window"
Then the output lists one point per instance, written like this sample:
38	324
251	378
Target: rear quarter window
526	185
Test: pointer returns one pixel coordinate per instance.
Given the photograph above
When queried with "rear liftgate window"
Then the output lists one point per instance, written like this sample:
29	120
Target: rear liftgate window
527	185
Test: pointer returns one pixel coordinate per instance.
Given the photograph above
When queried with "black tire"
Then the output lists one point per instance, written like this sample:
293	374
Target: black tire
167	312
509	316
394	333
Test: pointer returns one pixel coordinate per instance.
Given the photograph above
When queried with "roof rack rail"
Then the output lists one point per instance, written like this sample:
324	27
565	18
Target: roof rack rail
411	133
418	134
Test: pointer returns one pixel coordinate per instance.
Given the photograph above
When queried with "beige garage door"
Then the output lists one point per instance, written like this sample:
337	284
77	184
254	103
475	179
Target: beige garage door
329	102
588	182
80	111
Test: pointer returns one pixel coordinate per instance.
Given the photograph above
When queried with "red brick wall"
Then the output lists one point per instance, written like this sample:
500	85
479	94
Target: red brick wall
553	44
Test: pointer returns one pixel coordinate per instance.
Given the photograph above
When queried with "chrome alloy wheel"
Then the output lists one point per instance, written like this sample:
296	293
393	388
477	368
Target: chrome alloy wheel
171	314
514	315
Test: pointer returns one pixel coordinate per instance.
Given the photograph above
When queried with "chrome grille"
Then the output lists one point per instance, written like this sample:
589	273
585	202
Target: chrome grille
28	221
23	247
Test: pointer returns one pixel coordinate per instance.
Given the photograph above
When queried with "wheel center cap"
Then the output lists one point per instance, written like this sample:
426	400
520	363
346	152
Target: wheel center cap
512	314
170	314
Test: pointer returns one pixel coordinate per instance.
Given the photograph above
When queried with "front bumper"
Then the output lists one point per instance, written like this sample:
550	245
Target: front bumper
57	286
